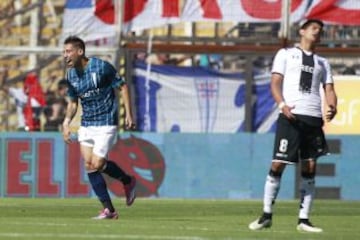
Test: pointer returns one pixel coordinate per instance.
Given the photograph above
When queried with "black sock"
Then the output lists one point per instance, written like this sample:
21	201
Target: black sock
98	184
114	171
267	215
304	220
108	205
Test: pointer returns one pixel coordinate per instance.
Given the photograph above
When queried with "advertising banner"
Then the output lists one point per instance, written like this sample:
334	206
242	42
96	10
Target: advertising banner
172	165
347	120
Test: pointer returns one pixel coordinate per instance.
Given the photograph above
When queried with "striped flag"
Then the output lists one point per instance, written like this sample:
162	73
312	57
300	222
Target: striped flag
89	20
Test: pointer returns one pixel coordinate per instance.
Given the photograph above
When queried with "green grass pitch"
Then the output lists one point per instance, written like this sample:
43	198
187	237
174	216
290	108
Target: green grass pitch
170	219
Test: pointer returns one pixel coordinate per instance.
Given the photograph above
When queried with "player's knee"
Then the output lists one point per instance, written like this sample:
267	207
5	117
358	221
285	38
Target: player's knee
308	168
88	166
307	175
275	173
277	169
98	163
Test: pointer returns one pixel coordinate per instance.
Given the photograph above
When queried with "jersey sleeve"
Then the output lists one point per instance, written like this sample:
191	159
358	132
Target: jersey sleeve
114	76
70	91
279	63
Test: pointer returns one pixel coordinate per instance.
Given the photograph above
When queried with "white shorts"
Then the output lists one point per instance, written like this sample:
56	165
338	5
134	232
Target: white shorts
100	138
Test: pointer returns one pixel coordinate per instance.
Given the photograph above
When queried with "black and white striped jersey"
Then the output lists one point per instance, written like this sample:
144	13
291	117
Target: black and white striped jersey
303	75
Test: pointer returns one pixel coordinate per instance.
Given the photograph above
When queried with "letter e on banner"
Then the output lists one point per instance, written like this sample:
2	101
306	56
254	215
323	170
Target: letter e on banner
17	167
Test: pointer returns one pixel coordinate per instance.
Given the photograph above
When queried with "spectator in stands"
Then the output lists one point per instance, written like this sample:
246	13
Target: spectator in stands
51	83
56	108
349	71
262	64
20	98
140	56
29	100
213	61
7	7
165	59
35	102
18	95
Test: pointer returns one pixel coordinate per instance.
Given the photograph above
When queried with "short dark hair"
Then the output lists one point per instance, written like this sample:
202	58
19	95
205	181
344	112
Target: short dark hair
307	22
62	84
76	41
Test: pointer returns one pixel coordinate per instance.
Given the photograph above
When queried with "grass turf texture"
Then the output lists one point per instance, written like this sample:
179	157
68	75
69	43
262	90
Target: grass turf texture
170	219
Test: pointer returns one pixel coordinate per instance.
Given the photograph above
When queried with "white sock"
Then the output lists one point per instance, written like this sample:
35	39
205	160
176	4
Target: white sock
307	189
271	189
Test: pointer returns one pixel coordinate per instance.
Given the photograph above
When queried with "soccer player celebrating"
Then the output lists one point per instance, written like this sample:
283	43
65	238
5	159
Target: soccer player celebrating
94	82
297	75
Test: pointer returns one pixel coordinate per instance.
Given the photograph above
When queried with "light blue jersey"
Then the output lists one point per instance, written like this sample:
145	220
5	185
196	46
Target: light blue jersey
95	88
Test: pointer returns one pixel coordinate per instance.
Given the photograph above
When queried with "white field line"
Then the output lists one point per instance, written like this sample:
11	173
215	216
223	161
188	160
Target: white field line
95	236
50	224
204	229
110	236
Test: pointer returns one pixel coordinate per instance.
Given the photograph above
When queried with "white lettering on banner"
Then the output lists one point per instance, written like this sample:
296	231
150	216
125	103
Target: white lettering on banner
353	106
344	12
347	117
